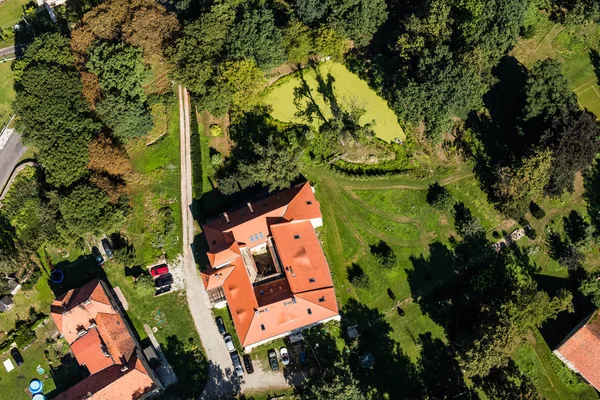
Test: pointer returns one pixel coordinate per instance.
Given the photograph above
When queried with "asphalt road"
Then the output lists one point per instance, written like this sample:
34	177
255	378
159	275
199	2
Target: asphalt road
9	157
7	51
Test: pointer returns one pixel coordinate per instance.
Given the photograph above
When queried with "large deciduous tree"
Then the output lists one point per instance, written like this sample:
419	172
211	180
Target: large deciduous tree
53	114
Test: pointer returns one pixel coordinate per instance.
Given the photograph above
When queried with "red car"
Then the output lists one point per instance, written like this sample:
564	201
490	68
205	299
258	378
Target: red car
159	270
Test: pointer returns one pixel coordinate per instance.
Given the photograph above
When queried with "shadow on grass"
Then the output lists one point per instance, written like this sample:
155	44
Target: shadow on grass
67	374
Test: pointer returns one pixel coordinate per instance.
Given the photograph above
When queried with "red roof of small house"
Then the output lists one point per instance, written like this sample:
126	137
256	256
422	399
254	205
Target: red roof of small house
88	350
302	296
112	383
100	339
582	350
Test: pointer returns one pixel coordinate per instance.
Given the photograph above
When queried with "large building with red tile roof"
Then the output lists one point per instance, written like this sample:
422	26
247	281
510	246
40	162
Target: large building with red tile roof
101	340
267	265
580	351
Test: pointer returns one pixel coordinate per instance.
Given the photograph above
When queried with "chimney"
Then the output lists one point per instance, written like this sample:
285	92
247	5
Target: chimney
250	207
227	218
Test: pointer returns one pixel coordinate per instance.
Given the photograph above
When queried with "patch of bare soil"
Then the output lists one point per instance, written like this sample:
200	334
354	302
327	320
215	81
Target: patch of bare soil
443	220
372	154
221	143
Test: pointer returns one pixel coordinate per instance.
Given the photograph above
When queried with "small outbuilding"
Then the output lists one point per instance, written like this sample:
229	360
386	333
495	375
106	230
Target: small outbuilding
6	303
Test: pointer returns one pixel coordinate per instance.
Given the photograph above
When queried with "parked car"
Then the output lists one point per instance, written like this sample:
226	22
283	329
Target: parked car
162	290
239	371
302	354
16	356
107	249
98	257
229	343
163	280
248	363
285	356
273	360
220	325
159	270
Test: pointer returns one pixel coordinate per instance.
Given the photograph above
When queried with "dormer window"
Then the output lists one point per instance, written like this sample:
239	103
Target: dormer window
308	203
312	280
262	327
296	236
309	311
322	299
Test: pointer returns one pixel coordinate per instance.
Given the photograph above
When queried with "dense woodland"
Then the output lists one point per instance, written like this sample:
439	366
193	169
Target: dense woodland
86	88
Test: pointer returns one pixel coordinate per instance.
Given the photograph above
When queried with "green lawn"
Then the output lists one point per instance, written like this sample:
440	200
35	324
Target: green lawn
550	376
10	12
570	45
348	89
39	297
7	92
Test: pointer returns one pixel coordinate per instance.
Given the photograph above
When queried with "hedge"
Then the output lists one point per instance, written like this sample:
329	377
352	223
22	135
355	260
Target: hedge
24	334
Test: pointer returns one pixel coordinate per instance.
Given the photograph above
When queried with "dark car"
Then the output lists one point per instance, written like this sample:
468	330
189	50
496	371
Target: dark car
302	354
16	356
248	364
220	325
107	249
163	280
239	371
273	360
98	256
162	290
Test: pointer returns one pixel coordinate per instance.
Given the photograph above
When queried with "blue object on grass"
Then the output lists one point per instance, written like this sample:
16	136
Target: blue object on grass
36	386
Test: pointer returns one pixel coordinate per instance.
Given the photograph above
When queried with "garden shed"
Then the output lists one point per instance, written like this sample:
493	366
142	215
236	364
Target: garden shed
6	303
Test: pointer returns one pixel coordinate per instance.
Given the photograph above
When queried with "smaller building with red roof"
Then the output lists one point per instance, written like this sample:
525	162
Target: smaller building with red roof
267	265
580	350
100	339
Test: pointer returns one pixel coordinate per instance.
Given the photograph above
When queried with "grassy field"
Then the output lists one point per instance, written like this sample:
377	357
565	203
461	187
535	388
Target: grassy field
39	297
572	46
7	92
10	12
348	88
550	376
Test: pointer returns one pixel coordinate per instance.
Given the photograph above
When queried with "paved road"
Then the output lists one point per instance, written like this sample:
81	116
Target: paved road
9	157
7	51
221	381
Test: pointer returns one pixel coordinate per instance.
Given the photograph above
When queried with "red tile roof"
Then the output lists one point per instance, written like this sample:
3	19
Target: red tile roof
88	350
92	327
304	295
582	350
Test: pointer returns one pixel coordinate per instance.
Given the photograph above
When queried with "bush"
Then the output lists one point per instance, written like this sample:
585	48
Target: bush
531	234
144	285
536	211
439	197
357	276
25	338
496	235
33	279
384	254
528	32
215	130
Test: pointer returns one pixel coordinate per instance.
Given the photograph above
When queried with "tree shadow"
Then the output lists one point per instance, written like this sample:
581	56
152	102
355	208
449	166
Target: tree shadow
591	180
576	228
77	273
595	60
193	371
67	374
564	252
357	276
507	382
391	372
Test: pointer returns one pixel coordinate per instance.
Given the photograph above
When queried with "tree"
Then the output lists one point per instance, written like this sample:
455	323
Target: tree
298	42
106	157
439	197
516	187
143	23
276	166
547	92
574	139
53	113
255	35
384	254
335	383
590	287
310	11
328	42
246	81
358	19
121	73
467	225
87	210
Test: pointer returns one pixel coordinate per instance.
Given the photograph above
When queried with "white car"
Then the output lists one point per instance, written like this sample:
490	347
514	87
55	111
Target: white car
285	356
229	343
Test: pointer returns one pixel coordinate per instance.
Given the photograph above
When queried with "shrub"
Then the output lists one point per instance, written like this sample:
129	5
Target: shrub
400	311
496	235
357	276
384	254
215	130
536	211
32	280
439	197
528	32
25	338
144	285
531	234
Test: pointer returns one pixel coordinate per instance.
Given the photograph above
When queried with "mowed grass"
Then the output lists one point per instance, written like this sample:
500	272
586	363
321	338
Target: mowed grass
11	12
349	90
39	297
360	213
570	45
7	92
553	379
